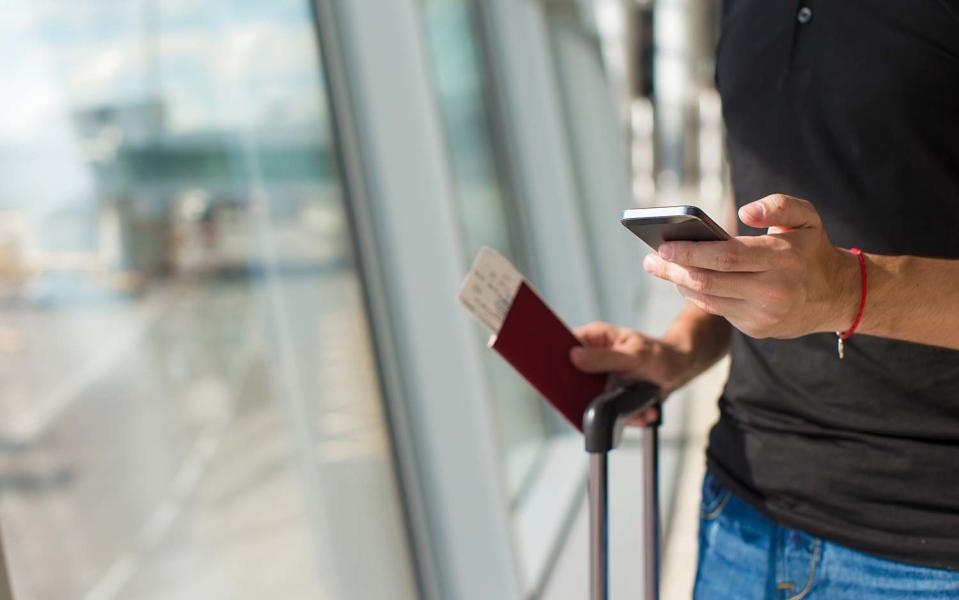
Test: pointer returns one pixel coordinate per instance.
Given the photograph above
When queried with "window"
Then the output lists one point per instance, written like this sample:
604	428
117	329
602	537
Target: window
487	215
190	407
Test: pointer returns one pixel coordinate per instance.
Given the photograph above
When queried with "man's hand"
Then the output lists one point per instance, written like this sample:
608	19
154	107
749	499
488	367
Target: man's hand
785	284
632	356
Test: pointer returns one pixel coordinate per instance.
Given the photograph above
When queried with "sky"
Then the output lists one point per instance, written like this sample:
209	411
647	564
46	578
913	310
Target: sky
220	64
217	65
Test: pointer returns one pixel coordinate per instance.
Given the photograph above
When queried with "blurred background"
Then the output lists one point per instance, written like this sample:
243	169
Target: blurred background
232	364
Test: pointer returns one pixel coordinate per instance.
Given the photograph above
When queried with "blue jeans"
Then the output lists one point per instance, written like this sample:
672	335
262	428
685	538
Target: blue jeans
743	555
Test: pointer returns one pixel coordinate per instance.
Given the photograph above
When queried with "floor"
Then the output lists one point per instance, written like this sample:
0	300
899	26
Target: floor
188	442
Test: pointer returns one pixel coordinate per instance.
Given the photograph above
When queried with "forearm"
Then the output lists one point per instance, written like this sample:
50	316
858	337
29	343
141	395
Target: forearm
912	299
700	337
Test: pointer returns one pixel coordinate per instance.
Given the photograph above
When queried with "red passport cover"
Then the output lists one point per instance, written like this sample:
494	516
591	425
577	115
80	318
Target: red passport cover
537	344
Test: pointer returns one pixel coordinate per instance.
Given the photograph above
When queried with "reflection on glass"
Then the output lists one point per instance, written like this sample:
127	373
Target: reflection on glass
189	407
484	212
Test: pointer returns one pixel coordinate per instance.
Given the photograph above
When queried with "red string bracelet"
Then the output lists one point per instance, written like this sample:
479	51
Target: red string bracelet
842	336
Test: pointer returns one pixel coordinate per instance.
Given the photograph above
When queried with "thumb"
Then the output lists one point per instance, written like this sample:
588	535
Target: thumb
601	360
780	212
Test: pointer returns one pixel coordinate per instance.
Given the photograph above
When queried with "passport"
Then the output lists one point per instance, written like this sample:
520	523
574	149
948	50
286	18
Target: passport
529	335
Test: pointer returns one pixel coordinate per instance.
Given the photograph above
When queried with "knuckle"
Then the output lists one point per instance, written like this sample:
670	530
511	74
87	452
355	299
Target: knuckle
805	206
777	202
769	319
727	260
635	345
701	282
585	329
776	244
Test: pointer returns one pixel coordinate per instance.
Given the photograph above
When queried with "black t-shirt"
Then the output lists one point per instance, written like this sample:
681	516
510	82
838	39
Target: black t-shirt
854	106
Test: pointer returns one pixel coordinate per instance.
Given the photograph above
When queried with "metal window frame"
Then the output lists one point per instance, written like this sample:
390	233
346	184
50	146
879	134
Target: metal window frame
534	140
533	133
502	168
520	244
6	587
347	153
602	167
391	144
543	512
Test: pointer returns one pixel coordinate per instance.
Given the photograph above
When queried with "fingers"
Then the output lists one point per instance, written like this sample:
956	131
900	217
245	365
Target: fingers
602	360
730	308
746	254
780	212
713	283
597	334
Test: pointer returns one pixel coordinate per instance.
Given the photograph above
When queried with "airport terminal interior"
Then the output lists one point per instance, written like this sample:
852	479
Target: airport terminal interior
232	234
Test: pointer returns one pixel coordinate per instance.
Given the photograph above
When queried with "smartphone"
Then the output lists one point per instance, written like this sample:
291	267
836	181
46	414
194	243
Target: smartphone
672	223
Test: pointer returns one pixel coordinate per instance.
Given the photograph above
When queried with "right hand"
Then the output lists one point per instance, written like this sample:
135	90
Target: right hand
630	355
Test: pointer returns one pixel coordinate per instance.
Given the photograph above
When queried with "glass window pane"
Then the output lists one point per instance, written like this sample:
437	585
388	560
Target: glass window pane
486	215
190	406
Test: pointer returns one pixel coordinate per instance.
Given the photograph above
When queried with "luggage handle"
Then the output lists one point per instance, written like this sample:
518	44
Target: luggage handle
603	424
604	420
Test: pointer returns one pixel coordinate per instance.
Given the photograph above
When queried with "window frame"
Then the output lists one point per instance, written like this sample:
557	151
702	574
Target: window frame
533	133
412	258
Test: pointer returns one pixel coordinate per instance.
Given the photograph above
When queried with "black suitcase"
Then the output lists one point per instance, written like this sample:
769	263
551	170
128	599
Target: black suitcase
603	424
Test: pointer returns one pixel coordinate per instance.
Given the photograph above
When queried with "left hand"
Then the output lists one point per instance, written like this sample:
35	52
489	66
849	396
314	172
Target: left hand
630	355
785	284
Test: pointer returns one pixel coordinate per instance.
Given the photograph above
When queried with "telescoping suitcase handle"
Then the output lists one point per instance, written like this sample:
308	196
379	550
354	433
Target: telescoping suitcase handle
603	424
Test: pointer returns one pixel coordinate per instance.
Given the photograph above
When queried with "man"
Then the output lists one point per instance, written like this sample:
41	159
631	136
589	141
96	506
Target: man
829	476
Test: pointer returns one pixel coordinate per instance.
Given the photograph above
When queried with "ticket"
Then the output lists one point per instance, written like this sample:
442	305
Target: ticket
490	288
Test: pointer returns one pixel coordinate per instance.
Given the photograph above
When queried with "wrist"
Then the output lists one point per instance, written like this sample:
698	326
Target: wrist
677	348
675	366
847	296
694	341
